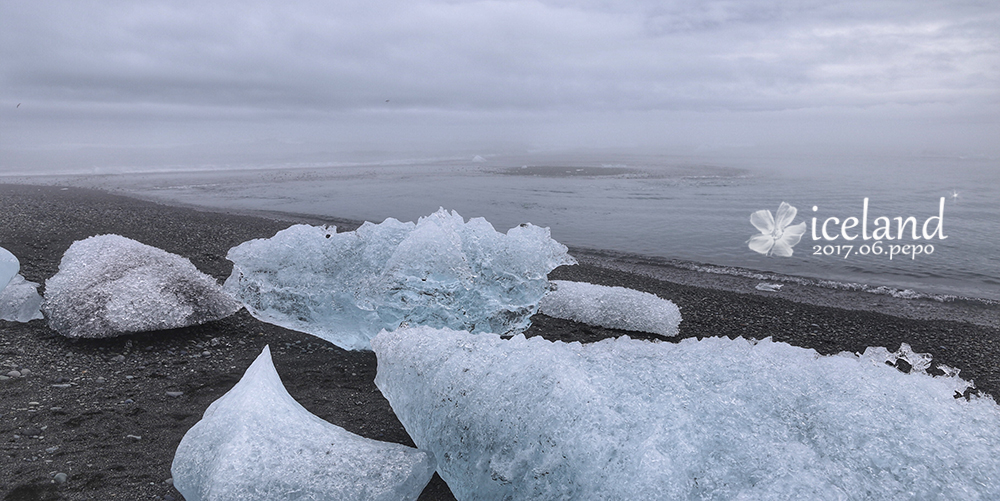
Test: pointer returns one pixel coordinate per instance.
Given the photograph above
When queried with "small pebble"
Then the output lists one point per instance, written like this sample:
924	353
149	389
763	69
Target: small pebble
136	437
129	401
61	478
119	358
169	481
4	378
25	372
63	385
168	497
50	450
174	394
61	379
33	404
14	374
206	353
99	380
31	432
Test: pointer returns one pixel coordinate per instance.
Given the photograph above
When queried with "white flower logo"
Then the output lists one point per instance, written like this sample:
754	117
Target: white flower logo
776	237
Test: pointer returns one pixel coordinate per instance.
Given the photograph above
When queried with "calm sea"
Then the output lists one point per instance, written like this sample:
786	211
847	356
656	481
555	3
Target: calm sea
691	210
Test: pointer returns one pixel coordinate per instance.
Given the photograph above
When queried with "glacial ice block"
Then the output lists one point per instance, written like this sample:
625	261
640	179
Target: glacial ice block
19	301
109	285
612	307
256	443
703	419
441	271
9	266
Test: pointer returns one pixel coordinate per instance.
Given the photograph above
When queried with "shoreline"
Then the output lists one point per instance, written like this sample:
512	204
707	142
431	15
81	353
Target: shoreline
116	387
200	192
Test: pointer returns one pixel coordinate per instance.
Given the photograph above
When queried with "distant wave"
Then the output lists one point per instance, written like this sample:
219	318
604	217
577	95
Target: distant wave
830	284
779	277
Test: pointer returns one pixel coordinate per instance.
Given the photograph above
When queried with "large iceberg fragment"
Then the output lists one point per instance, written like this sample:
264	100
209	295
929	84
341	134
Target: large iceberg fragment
19	299
256	443
703	419
612	307
109	285
441	271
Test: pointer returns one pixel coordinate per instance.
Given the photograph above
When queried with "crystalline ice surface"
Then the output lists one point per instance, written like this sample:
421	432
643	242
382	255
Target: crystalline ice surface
613	307
109	285
703	419
256	443
9	266
19	301
441	271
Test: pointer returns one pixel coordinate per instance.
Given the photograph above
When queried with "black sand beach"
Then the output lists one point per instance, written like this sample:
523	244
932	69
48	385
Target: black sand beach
98	410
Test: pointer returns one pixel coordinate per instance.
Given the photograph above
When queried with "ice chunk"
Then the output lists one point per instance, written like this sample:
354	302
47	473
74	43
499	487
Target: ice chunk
702	419
613	307
766	287
441	271
257	443
109	285
19	301
9	266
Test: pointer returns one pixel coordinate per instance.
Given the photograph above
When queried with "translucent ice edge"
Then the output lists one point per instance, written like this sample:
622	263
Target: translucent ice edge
256	443
701	419
19	301
9	266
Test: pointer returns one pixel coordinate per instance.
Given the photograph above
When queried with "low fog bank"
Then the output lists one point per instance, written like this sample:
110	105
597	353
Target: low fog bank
33	143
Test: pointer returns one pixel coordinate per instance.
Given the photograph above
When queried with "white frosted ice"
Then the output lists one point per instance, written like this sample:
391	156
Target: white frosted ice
441	271
256	443
9	266
109	285
613	307
19	301
703	419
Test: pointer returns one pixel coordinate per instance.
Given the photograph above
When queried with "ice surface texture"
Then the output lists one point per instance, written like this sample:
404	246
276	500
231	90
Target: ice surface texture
441	271
709	419
109	285
256	443
19	299
9	266
613	307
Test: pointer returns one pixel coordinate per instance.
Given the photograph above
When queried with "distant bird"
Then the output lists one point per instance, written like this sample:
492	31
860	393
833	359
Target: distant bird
18	105
387	100
954	194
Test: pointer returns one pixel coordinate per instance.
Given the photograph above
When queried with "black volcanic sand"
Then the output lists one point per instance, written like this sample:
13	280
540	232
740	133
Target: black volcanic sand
98	410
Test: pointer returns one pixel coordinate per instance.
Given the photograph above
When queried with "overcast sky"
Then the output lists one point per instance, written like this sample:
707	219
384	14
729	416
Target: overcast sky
326	78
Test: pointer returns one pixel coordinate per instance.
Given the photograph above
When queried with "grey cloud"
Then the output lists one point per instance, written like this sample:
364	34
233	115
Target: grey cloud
511	62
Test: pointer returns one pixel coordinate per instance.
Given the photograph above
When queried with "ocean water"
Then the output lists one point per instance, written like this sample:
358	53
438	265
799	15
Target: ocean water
694	211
